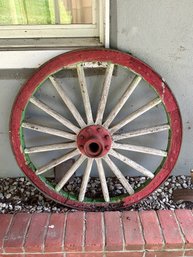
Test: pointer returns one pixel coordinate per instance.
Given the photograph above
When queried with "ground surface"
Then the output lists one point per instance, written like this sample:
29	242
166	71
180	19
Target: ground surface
19	195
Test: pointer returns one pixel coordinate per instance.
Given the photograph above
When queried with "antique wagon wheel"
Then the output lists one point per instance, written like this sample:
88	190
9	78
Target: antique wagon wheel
103	94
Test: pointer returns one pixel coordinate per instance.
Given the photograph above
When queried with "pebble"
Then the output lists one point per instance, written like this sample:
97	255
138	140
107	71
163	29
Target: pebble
170	191
18	194
184	185
18	208
8	196
118	192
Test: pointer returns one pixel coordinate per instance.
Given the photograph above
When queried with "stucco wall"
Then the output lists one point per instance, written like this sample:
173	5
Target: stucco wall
161	34
15	68
158	32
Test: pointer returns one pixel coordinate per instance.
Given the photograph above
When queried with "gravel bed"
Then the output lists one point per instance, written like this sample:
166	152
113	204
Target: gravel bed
19	195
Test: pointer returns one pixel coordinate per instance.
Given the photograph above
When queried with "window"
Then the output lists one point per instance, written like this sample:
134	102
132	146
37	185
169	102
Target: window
62	20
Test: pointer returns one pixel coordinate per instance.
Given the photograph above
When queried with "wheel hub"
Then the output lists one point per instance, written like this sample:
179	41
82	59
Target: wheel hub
94	141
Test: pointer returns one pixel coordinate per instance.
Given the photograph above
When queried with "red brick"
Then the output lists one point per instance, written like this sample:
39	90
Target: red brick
84	255
36	233
74	231
188	253
12	255
93	234
45	254
16	235
55	235
173	237
5	221
113	231
129	254
164	254
185	219
151	229
132	231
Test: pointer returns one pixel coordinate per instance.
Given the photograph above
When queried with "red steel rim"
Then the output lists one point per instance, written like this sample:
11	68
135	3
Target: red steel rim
101	55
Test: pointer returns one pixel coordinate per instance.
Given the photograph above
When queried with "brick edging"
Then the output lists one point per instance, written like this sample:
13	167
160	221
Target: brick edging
109	234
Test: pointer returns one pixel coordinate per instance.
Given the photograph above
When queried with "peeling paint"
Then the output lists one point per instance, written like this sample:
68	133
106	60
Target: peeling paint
163	90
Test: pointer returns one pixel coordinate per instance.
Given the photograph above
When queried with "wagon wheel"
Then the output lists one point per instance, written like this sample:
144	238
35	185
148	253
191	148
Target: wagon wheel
95	127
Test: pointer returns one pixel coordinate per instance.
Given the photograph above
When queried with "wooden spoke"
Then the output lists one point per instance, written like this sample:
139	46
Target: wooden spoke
141	132
69	173
47	130
56	162
85	180
132	164
119	175
68	102
103	180
136	114
51	147
140	149
85	95
54	114
104	95
122	101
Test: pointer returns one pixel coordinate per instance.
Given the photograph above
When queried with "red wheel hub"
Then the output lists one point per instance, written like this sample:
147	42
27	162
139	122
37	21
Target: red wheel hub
94	141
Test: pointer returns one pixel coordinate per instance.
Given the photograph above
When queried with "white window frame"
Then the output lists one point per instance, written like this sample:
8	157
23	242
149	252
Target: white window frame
27	36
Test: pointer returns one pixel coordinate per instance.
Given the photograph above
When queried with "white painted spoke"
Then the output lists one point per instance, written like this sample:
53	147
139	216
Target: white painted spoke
85	95
85	180
122	101
136	114
103	180
56	162
68	102
47	130
54	114
104	95
132	164
119	175
140	149
141	132
51	147
69	173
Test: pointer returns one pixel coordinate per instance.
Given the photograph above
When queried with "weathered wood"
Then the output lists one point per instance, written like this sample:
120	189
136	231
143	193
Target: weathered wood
85	180
54	163
183	195
136	114
90	65
104	94
170	108
103	180
119	175
61	169
54	114
47	130
122	101
68	102
51	147
140	149
191	172
132	164
85	95
141	132
69	173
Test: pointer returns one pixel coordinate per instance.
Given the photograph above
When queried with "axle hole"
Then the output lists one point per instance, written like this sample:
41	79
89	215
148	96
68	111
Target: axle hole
94	147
